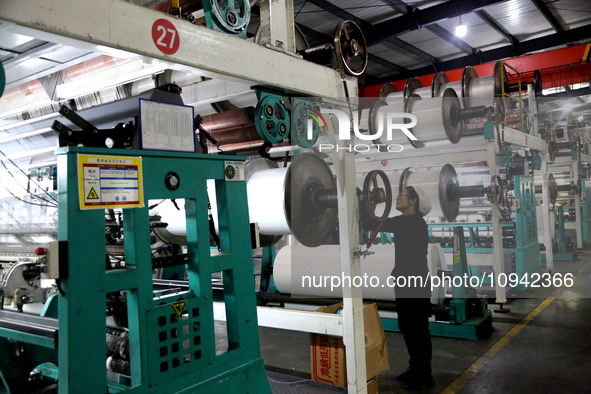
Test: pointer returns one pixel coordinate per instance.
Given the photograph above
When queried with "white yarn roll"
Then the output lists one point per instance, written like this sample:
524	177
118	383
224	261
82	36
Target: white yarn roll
456	86
292	263
266	201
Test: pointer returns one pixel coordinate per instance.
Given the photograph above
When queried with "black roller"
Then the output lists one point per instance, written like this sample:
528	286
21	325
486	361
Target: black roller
471	191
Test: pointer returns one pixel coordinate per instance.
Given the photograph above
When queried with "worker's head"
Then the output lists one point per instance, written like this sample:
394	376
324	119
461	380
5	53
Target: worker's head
412	200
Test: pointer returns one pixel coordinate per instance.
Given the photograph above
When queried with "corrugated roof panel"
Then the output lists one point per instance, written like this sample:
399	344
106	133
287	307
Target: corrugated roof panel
397	55
371	11
480	34
432	44
521	18
571	13
316	18
64	54
377	70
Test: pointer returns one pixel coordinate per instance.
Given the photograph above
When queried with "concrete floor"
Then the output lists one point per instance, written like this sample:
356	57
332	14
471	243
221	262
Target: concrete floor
542	345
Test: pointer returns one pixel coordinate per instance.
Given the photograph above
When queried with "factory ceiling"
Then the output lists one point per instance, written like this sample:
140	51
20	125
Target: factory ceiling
404	39
412	38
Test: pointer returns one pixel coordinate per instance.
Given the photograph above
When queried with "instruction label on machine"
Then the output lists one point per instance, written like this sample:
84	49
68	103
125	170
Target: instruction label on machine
110	182
234	171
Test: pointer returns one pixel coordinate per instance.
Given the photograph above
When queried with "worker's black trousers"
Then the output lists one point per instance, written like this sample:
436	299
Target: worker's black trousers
413	321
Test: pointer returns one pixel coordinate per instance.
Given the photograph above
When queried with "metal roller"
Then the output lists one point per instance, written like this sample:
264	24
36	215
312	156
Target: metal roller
231	119
387	89
442	187
486	91
436	118
237	136
439	84
298	200
393	97
311	210
535	80
436	88
553	189
458	86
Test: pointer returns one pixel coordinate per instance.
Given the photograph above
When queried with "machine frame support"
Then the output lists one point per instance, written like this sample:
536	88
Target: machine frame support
498	263
578	224
167	353
124	29
548	243
277	27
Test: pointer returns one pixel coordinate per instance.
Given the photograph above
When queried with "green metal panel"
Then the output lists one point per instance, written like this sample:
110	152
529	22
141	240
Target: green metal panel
489	131
585	212
166	354
473	328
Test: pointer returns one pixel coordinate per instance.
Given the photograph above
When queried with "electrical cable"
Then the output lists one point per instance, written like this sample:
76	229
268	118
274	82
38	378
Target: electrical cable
24	173
49	202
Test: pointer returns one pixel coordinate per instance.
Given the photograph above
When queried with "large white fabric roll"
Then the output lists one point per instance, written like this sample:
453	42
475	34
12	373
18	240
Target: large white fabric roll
294	263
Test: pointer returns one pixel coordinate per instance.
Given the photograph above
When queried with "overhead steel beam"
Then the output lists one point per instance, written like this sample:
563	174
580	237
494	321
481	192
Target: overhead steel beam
543	8
365	26
404	8
509	51
425	17
485	16
451	38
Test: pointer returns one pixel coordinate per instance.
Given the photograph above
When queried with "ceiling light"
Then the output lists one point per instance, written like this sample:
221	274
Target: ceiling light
461	29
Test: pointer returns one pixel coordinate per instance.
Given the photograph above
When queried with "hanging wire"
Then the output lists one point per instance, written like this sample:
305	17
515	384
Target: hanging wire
301	8
49	202
24	173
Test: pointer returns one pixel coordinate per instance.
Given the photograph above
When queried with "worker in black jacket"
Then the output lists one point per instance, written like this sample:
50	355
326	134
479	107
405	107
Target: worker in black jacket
413	290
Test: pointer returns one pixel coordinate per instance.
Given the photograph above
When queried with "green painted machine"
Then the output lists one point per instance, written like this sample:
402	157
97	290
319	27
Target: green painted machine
564	246
520	240
169	345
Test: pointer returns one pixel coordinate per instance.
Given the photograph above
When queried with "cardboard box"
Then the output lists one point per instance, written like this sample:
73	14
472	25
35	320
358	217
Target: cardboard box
372	386
327	353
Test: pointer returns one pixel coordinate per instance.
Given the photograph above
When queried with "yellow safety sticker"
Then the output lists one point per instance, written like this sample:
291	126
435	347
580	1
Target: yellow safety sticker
92	194
179	307
456	258
110	182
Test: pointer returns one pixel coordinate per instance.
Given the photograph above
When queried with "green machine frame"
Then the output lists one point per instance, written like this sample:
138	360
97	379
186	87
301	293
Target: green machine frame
526	249
564	249
458	324
172	335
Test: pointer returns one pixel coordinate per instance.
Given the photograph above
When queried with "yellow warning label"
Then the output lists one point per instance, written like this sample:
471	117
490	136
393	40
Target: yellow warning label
457	258
179	307
110	182
92	195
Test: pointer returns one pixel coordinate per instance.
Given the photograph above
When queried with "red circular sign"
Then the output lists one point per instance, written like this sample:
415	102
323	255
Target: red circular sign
384	163
165	36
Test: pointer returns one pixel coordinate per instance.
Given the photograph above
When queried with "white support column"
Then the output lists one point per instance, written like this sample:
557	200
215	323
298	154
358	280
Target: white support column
277	25
498	258
353	326
546	215
532	107
578	228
